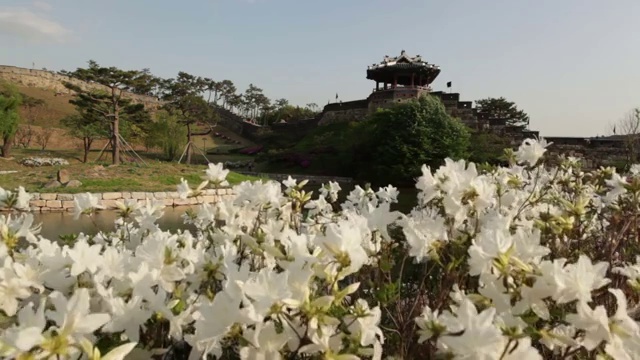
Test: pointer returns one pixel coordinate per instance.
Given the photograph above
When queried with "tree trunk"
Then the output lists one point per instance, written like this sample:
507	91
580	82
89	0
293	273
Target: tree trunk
87	147
188	143
116	130
115	142
6	147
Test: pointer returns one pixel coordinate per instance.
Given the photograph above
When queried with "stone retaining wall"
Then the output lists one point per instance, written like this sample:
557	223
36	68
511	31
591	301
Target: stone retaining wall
45	202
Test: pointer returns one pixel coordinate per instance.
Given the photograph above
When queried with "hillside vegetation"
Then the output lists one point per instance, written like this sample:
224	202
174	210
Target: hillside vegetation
53	107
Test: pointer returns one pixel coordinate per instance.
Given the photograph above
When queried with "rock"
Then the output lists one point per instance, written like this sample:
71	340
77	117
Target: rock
73	184
54	204
112	196
52	184
64	197
109	204
179	202
160	195
48	196
168	202
37	203
138	195
63	176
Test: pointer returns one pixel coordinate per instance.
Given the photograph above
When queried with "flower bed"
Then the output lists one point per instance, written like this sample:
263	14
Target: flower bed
41	161
523	262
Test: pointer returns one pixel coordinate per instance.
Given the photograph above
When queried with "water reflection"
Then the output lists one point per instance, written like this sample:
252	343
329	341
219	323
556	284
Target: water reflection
55	224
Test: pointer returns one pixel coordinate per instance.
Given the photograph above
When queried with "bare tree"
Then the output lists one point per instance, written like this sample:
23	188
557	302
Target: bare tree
33	110
44	136
24	135
628	128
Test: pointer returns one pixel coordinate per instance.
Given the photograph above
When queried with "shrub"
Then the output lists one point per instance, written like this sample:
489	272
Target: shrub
408	135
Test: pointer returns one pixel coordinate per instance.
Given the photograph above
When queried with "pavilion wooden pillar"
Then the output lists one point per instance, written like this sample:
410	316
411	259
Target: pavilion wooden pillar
420	80
395	81
413	77
385	85
377	85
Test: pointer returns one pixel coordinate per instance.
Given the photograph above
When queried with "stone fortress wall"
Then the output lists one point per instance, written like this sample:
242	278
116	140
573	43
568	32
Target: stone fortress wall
594	152
50	80
342	112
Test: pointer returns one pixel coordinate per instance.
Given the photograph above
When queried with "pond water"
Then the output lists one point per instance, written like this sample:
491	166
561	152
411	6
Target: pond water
55	224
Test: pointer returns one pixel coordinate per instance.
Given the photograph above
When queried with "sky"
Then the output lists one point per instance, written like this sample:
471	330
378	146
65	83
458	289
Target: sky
572	65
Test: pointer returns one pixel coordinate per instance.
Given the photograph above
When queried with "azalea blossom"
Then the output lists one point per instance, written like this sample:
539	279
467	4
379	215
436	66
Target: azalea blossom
216	174
84	204
522	262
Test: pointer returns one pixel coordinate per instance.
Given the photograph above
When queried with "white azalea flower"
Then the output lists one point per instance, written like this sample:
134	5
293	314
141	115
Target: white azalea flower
184	191
73	316
531	151
216	174
85	204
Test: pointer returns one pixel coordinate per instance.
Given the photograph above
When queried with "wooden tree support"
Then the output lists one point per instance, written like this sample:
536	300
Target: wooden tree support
126	149
188	147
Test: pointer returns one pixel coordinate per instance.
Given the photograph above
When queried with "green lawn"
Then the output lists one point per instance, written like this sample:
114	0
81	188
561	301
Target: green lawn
157	176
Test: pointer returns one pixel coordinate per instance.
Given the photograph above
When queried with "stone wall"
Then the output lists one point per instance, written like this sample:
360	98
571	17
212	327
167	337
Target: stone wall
592	157
594	151
356	114
52	81
45	202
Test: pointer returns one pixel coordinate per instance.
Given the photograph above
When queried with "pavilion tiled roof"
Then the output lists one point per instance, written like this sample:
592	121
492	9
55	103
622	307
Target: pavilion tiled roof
403	70
402	61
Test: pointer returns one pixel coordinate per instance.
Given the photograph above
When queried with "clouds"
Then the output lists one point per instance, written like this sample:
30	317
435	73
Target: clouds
41	5
32	24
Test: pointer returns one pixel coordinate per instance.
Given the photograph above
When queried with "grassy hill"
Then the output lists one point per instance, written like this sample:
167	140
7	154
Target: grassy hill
54	107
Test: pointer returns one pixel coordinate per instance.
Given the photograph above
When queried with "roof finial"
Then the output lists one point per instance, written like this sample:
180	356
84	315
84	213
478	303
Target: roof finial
402	52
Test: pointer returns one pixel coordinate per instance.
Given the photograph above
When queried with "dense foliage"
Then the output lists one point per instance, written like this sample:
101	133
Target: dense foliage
283	112
524	262
487	148
502	110
108	106
10	100
168	134
184	101
410	134
85	127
